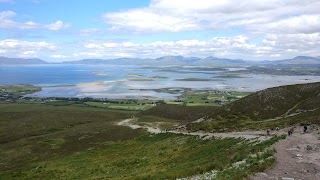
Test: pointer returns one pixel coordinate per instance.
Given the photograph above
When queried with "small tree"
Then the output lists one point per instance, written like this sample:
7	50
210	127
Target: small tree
184	103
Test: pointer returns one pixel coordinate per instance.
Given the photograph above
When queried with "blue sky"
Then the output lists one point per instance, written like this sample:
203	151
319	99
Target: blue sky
71	30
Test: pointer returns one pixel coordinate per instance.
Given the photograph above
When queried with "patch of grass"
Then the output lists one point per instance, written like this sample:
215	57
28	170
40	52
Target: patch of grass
194	79
263	158
38	132
230	76
252	165
18	89
14	91
138	105
210	97
178	112
160	156
54	143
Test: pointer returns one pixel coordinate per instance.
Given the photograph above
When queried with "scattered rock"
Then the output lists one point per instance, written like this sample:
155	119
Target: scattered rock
264	175
293	149
309	148
287	178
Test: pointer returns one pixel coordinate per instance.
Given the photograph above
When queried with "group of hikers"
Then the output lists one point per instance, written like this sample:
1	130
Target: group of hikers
290	130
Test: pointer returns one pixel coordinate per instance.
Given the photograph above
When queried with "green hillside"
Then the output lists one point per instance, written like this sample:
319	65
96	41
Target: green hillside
278	106
39	141
179	112
278	101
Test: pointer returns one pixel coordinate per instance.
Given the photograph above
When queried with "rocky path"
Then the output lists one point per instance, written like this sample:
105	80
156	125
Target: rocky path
298	158
246	134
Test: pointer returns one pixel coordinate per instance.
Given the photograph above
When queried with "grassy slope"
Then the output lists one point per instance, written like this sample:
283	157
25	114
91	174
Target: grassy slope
179	112
64	142
162	156
255	111
35	132
274	102
39	141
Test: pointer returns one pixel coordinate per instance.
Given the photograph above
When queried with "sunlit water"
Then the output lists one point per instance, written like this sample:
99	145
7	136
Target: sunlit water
110	81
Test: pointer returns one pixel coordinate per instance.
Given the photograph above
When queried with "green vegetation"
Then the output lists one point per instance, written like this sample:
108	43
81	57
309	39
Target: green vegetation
38	132
229	76
194	97
194	79
253	163
161	156
159	77
277	101
141	79
116	104
71	138
15	91
123	106
210	97
279	106
283	70
178	112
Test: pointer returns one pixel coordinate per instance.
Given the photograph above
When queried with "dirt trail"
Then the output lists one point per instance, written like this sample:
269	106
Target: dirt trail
298	157
246	134
128	122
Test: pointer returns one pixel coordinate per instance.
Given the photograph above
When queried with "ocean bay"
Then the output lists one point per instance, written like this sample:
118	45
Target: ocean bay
139	82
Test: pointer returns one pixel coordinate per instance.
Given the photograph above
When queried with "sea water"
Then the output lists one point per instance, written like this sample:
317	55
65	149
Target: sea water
135	82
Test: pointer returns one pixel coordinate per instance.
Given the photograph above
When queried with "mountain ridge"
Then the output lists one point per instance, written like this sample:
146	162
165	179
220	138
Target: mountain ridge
170	60
20	61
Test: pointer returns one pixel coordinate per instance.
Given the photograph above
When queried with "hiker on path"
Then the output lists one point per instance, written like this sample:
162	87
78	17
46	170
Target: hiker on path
305	129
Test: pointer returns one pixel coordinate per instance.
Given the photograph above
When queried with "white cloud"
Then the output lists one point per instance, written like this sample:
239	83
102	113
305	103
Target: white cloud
298	24
13	48
271	47
88	31
6	22
145	19
175	16
295	44
28	54
6	15
57	25
190	47
58	56
18	44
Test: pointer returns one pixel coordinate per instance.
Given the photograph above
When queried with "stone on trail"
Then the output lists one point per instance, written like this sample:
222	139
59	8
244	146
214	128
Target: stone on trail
287	178
309	148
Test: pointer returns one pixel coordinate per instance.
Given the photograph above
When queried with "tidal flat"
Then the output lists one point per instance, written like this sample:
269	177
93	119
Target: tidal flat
125	81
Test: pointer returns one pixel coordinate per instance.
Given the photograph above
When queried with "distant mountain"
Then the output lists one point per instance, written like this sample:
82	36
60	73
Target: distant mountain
220	61
179	59
171	61
20	61
165	60
86	61
301	60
